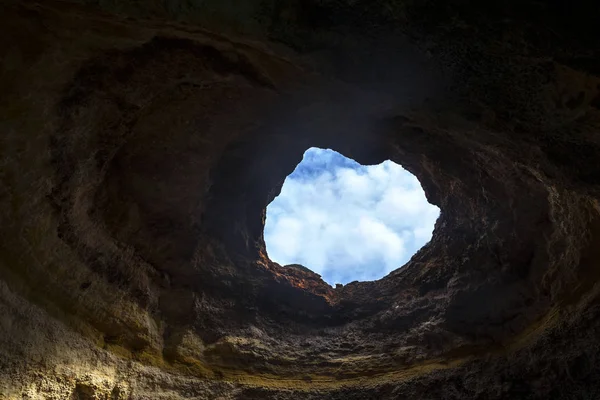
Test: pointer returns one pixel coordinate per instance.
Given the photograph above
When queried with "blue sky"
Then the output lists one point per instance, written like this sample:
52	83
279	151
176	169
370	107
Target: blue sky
346	221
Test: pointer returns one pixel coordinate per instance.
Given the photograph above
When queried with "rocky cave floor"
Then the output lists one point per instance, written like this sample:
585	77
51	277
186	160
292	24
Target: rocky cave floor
142	141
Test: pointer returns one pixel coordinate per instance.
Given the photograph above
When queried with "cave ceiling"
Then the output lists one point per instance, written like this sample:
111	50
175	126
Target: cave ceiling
141	143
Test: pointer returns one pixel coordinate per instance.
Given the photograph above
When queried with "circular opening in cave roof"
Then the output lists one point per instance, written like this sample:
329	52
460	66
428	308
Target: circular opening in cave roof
346	221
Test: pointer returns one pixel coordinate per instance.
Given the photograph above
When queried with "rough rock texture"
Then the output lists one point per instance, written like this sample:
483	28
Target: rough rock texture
141	142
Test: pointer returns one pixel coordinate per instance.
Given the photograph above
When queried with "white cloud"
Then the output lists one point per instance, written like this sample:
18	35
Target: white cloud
348	222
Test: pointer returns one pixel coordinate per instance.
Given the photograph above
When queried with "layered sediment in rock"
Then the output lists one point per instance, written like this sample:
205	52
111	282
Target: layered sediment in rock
139	151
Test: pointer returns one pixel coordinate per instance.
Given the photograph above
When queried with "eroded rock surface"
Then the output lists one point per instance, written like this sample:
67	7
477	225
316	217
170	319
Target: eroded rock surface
141	144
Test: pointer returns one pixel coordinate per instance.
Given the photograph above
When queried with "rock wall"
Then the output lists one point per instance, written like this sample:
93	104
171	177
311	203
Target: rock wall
141	144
